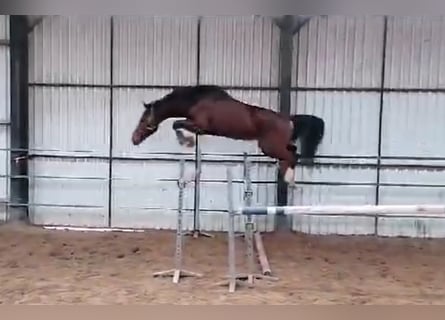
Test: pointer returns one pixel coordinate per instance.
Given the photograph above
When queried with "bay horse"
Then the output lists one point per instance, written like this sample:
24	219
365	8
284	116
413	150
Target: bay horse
210	110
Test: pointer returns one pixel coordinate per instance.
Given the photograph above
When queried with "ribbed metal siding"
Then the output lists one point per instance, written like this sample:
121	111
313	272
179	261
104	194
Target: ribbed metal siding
138	197
413	123
70	50
339	51
81	200
412	126
351	129
239	51
351	120
141	200
416	52
63	120
155	50
69	121
150	51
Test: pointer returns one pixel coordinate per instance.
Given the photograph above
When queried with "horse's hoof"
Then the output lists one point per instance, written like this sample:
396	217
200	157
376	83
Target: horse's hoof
289	176
190	142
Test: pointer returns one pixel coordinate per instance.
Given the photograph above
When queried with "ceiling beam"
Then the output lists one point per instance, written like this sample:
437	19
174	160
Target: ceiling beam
290	23
32	21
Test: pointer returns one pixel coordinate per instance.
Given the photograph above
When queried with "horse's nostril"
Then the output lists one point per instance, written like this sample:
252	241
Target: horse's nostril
135	138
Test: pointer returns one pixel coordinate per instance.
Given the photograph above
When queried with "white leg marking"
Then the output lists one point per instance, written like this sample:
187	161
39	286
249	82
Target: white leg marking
186	138
187	134
289	176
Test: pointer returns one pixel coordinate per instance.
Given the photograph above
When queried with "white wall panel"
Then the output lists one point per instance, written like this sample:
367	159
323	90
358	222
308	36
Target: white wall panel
155	50
339	51
239	51
140	200
412	124
333	225
70	49
69	119
415	55
89	192
351	120
4	27
410	194
412	227
214	197
333	194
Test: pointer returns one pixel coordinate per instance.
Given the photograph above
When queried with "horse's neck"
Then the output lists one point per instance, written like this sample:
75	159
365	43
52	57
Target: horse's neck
169	110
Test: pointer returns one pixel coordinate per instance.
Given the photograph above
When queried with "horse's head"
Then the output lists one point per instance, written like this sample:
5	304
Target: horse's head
147	124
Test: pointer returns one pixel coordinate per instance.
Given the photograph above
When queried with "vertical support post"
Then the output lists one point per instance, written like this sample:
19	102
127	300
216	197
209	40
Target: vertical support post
196	232
19	118
285	82
249	224
111	123
178	272
231	240
179	239
382	95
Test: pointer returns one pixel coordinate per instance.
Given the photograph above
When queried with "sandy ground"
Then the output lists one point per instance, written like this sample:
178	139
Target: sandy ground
64	267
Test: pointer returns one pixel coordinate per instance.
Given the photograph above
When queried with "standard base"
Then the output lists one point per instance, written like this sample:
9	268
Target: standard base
196	234
244	278
176	274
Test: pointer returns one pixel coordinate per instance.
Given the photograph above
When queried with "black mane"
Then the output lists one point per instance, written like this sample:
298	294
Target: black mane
191	94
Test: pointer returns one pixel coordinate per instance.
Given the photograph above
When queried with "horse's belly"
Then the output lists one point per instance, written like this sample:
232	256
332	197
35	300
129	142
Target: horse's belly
233	129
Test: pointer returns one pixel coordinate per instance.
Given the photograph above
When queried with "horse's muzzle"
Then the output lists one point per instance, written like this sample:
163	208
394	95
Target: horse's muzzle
140	135
136	138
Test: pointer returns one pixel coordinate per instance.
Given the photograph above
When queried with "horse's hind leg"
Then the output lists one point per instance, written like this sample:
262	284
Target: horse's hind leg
287	158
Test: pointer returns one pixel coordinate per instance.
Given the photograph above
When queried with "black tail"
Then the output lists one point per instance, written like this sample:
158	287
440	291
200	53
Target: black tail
310	130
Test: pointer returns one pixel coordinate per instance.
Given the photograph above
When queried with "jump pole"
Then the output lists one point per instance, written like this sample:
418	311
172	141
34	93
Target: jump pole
178	272
408	211
375	211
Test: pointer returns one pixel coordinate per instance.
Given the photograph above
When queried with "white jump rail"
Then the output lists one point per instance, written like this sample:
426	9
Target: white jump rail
400	211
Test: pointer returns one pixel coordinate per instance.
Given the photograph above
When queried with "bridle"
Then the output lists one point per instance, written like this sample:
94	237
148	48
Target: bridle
151	128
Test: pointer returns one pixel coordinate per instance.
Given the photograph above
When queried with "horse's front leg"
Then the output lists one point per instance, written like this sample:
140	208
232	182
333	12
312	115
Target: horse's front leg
185	125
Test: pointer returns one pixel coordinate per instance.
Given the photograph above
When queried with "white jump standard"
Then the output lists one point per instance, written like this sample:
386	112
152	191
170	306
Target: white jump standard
178	272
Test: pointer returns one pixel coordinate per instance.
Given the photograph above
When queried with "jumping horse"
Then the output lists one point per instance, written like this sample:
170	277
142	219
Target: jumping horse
210	110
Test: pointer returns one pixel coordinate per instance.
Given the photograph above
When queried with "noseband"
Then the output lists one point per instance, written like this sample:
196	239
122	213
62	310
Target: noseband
151	128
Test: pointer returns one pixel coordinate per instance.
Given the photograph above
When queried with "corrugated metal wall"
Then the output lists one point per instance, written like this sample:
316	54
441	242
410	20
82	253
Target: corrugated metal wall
92	73
4	114
69	105
79	78
339	63
240	52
